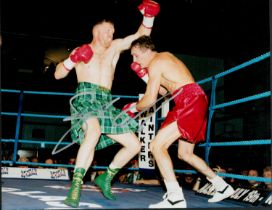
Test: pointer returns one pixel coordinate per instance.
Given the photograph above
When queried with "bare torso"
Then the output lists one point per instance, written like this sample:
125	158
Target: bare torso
100	69
174	73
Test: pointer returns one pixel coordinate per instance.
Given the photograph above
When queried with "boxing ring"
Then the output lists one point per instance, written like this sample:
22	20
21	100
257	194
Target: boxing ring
26	190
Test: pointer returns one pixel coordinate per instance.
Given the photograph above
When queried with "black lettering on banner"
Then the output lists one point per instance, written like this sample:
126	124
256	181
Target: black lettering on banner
29	172
151	127
207	189
142	130
57	174
142	157
143	123
239	192
146	134
143	148
142	139
254	197
151	119
151	110
4	170
150	163
150	135
144	114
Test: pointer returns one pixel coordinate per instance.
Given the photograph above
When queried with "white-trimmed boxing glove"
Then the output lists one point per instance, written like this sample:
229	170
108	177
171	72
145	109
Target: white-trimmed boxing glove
130	109
141	72
81	54
149	9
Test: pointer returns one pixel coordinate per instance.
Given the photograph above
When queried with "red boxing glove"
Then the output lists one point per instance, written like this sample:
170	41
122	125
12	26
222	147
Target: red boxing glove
152	8
81	54
138	69
149	9
130	109
141	7
141	72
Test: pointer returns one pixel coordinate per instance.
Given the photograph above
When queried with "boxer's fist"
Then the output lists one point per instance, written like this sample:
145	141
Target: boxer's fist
136	67
152	8
80	54
141	7
130	109
141	72
149	8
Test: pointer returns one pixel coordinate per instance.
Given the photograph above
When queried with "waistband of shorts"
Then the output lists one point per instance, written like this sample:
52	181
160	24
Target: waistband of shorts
189	88
93	86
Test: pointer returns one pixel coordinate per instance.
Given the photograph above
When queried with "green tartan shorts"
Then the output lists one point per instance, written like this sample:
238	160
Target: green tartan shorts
92	100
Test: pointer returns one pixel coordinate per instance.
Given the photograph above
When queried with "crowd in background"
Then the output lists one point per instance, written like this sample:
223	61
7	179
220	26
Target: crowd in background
141	177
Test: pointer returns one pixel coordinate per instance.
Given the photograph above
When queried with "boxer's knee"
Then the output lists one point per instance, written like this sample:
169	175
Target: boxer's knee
156	147
135	146
185	156
91	132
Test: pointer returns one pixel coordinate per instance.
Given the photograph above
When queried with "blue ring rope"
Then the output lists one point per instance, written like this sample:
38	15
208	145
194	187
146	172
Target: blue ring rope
242	100
218	106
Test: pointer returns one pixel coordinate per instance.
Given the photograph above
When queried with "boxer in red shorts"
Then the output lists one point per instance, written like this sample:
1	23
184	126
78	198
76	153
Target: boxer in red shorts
190	112
163	72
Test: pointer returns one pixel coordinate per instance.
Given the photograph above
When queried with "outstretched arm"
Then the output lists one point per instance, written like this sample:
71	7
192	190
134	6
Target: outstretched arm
149	9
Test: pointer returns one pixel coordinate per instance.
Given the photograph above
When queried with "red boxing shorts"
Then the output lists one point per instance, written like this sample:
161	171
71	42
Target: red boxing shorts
190	112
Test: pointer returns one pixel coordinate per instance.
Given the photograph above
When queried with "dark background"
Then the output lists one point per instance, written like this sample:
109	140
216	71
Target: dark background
232	30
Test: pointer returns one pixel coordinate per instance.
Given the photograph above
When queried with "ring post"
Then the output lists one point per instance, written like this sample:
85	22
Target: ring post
211	111
18	125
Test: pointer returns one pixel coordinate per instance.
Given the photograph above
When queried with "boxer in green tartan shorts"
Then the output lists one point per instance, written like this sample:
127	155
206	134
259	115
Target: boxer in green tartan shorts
93	115
95	101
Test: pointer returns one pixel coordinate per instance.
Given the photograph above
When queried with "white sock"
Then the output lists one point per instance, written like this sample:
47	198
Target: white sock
112	166
173	187
218	183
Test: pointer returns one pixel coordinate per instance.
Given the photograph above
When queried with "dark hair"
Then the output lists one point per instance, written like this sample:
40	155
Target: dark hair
144	42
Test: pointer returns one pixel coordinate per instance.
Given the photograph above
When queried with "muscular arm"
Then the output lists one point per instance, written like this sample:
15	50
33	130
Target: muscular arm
152	90
124	44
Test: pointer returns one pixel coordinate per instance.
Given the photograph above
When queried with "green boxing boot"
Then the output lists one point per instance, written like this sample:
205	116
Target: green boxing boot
74	193
104	182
